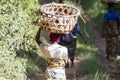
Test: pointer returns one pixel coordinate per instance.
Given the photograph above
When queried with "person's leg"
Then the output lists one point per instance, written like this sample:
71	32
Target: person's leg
115	38
73	48
108	48
67	63
72	59
114	47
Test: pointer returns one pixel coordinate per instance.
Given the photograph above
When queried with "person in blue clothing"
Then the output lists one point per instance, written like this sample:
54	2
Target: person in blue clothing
110	31
70	40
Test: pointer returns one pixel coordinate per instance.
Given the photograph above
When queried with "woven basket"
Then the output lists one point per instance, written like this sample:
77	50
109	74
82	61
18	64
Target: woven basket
110	1
58	18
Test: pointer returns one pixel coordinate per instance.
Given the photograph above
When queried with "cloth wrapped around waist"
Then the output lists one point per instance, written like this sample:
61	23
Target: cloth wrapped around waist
55	74
55	62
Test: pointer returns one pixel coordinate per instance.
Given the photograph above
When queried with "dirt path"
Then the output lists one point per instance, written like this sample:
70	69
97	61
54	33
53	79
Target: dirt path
100	42
70	72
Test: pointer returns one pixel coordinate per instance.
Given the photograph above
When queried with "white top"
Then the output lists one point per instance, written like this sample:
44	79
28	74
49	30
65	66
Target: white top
56	51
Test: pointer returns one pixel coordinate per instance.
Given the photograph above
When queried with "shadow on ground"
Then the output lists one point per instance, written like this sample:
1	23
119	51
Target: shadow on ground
34	64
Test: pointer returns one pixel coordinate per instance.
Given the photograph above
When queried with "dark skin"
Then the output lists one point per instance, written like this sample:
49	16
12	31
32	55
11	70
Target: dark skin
74	43
38	41
110	8
60	1
38	37
74	47
83	37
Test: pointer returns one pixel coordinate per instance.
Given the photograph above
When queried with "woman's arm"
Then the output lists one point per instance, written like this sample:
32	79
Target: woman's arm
37	38
77	28
41	44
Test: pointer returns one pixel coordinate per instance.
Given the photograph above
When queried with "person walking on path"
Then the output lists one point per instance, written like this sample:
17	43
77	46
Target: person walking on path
70	41
110	31
56	55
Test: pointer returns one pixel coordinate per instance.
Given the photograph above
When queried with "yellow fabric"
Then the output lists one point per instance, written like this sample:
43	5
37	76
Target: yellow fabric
55	62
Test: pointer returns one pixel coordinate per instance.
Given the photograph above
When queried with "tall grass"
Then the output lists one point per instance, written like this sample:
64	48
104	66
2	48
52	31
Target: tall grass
99	76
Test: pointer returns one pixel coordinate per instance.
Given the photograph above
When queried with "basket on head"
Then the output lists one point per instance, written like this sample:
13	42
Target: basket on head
58	18
110	1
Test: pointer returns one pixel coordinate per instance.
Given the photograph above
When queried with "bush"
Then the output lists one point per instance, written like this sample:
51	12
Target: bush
19	21
117	62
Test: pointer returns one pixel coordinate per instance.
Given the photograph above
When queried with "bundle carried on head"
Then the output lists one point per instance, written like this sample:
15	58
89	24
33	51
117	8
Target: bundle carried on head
110	1
58	18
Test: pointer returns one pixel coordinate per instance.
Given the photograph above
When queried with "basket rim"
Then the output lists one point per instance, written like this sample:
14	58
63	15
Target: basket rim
53	3
109	1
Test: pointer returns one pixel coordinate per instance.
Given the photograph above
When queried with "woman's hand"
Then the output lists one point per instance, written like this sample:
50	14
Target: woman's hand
85	41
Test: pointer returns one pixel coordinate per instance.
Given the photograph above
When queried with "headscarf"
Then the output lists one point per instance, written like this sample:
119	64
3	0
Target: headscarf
54	37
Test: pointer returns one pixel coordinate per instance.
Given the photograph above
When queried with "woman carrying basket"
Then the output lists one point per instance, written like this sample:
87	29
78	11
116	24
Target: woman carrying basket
110	31
57	56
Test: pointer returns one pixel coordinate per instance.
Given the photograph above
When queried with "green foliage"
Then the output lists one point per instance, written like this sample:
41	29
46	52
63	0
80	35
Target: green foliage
91	65
18	51
96	9
117	61
99	76
118	45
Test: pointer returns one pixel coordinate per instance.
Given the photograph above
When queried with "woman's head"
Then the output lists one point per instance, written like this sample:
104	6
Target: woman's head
54	37
110	6
60	1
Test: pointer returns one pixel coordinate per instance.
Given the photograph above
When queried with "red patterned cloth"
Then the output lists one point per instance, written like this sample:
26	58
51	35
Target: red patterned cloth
54	37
